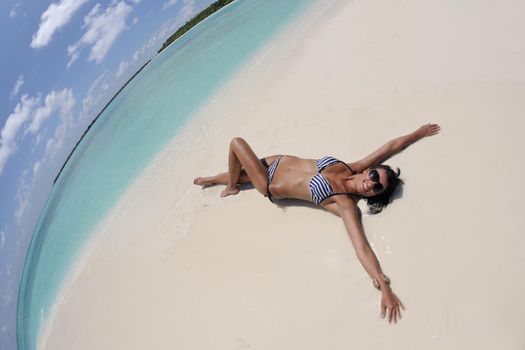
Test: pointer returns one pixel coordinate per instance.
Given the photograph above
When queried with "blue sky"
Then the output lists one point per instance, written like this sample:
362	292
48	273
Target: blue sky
60	62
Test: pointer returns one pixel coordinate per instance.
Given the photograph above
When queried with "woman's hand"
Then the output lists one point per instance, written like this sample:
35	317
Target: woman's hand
427	130
390	306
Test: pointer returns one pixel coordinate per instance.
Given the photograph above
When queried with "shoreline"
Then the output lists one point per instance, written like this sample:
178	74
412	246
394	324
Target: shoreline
182	141
131	78
173	262
126	83
98	115
111	174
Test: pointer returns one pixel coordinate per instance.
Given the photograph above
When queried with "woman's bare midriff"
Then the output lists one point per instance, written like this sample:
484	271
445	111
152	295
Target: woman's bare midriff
292	178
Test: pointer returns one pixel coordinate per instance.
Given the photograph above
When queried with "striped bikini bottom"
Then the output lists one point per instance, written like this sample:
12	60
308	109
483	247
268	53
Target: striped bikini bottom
271	171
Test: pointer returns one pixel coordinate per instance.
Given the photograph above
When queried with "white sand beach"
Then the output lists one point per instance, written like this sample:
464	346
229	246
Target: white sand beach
178	267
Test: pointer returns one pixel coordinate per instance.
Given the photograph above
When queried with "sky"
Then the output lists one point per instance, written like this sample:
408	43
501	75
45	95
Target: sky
60	63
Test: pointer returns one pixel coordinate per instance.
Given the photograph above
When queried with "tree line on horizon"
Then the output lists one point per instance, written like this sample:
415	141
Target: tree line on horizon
194	21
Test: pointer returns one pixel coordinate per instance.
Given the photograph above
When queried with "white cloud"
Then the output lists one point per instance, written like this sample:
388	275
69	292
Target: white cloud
13	12
73	52
54	145
62	102
8	293
2	240
15	120
36	168
145	49
188	9
102	29
39	138
169	3
135	20
57	15
31	111
62	131
23	194
20	115
89	101
122	68
18	84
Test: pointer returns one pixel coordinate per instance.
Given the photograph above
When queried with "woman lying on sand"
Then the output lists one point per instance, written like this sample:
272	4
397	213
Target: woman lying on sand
335	185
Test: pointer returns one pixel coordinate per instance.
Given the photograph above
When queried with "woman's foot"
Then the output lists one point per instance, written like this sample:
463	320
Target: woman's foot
204	181
230	191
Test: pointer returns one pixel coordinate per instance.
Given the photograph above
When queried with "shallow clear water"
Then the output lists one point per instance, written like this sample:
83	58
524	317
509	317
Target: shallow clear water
138	123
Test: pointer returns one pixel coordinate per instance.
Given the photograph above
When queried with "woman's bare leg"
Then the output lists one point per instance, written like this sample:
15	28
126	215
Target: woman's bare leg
241	157
220	179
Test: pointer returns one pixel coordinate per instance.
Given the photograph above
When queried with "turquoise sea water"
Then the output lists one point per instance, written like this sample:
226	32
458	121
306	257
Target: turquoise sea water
138	123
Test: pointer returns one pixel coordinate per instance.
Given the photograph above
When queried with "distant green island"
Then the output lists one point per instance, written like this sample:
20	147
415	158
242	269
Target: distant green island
217	5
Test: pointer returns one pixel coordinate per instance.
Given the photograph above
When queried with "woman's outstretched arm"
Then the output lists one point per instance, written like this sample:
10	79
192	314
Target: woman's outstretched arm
390	304
394	146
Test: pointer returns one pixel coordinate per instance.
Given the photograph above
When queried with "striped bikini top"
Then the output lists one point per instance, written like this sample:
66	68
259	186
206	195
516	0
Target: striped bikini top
319	186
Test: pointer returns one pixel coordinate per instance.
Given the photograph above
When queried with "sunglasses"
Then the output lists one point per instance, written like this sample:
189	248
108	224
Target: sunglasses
373	175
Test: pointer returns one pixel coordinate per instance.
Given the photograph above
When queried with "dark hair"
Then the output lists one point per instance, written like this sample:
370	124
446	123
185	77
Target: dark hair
377	203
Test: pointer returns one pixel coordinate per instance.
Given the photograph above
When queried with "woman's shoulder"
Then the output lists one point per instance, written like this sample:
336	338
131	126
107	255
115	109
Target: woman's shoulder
347	201
357	167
